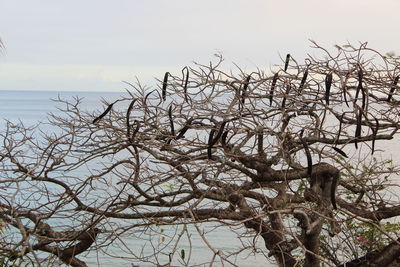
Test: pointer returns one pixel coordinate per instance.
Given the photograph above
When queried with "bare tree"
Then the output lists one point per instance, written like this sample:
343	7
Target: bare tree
290	157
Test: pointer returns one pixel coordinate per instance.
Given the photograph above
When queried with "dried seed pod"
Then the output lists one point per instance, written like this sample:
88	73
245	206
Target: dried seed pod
328	84
164	87
147	95
396	80
271	92
245	86
286	93
345	96
135	131
184	129
287	61
344	85
104	113
210	143
334	185
171	121
360	87
128	114
358	127
340	128
303	80
219	134
338	150
374	134
360	75
308	154
186	83
223	138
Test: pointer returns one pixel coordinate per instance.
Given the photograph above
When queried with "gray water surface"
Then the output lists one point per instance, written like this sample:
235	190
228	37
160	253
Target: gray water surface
31	107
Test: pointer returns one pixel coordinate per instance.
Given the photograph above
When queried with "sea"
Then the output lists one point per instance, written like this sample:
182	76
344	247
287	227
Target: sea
32	108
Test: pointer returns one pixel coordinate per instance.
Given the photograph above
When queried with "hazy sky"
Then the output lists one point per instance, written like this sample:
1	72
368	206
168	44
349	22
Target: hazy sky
93	45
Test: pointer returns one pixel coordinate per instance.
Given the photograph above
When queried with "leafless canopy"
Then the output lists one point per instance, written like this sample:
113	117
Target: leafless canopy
290	157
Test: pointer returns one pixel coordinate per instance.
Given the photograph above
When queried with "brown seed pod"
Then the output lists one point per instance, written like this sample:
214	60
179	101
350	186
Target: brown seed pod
287	61
358	127
345	89
340	128
328	84
135	131
364	97
147	95
128	114
374	133
360	75
210	143
303	80
186	83
184	129
286	93
104	113
396	80
171	121
271	92
338	150
223	138
219	134
308	154
245	86
164	87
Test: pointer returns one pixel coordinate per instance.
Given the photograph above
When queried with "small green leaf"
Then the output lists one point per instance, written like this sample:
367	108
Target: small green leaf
183	254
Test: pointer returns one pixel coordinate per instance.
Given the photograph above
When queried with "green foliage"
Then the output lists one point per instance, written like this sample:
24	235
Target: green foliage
368	237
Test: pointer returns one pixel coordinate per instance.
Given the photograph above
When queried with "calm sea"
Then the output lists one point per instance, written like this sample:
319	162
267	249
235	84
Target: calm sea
31	107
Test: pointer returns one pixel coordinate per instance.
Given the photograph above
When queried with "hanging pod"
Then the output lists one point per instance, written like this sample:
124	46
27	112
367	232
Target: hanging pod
223	138
374	133
147	96
210	143
171	121
345	90
396	80
186	83
303	80
164	87
271	92
219	133
328	84
104	113
128	114
340	128
360	76
364	96
135	131
245	86
358	127
182	132
287	62
308	154
338	150
286	93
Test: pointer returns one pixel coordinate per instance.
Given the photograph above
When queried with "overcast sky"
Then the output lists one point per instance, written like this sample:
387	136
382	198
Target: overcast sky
93	45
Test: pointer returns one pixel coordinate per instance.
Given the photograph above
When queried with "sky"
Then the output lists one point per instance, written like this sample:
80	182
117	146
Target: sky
94	45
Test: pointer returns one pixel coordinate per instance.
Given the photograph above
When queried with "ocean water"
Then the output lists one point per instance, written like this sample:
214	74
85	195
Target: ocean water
32	107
